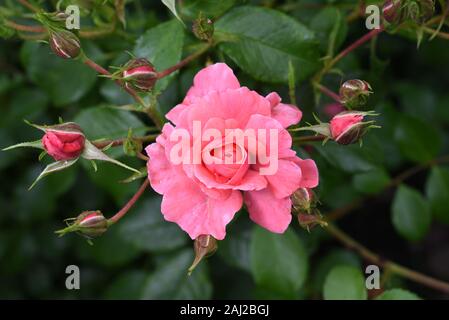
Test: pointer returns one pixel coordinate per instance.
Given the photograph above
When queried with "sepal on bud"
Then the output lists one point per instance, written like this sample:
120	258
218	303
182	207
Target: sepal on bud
311	220
204	246
89	224
355	93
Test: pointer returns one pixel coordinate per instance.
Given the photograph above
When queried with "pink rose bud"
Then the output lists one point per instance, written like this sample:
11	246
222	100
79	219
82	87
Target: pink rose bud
90	224
391	11
139	74
203	28
64	143
354	93
309	221
303	200
204	246
65	44
348	127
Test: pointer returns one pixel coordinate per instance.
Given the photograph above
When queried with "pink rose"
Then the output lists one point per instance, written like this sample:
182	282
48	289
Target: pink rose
201	197
63	145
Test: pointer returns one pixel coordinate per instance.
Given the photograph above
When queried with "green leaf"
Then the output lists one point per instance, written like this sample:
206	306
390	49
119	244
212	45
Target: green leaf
417	140
171	4
410	214
162	46
170	280
235	250
331	260
54	167
127	286
278	262
110	123
437	191
262	42
147	230
398	294
331	29
371	182
65	81
345	283
210	8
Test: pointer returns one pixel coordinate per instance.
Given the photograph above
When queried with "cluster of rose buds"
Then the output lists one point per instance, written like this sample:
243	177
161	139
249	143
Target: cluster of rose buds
304	203
346	126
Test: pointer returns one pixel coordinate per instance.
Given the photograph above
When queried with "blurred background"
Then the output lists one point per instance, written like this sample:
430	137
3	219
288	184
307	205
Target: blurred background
391	194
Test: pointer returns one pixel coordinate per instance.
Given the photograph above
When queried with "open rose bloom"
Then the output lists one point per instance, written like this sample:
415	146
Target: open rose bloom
219	175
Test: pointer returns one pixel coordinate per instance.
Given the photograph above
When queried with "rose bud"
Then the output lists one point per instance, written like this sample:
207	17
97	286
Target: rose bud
204	246
65	44
348	127
303	200
354	93
309	221
90	224
203	28
426	10
64	142
139	74
391	11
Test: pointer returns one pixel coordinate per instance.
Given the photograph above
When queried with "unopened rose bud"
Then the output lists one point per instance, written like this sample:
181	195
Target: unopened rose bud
64	142
354	93
139	74
426	10
203	28
392	11
204	245
90	224
348	127
65	44
303	200
311	220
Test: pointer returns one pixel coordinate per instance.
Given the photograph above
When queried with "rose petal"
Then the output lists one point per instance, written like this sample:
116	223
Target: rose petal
287	179
268	211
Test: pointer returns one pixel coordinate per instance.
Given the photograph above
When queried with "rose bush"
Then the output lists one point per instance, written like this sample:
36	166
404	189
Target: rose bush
122	98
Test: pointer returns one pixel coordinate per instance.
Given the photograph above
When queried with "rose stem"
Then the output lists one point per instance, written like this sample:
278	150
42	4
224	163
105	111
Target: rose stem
309	138
386	264
182	63
130	203
21	27
153	114
28	5
328	92
118	142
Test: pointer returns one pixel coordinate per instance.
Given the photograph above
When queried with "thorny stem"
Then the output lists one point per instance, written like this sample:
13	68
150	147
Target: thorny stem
153	114
130	203
442	35
386	264
328	92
